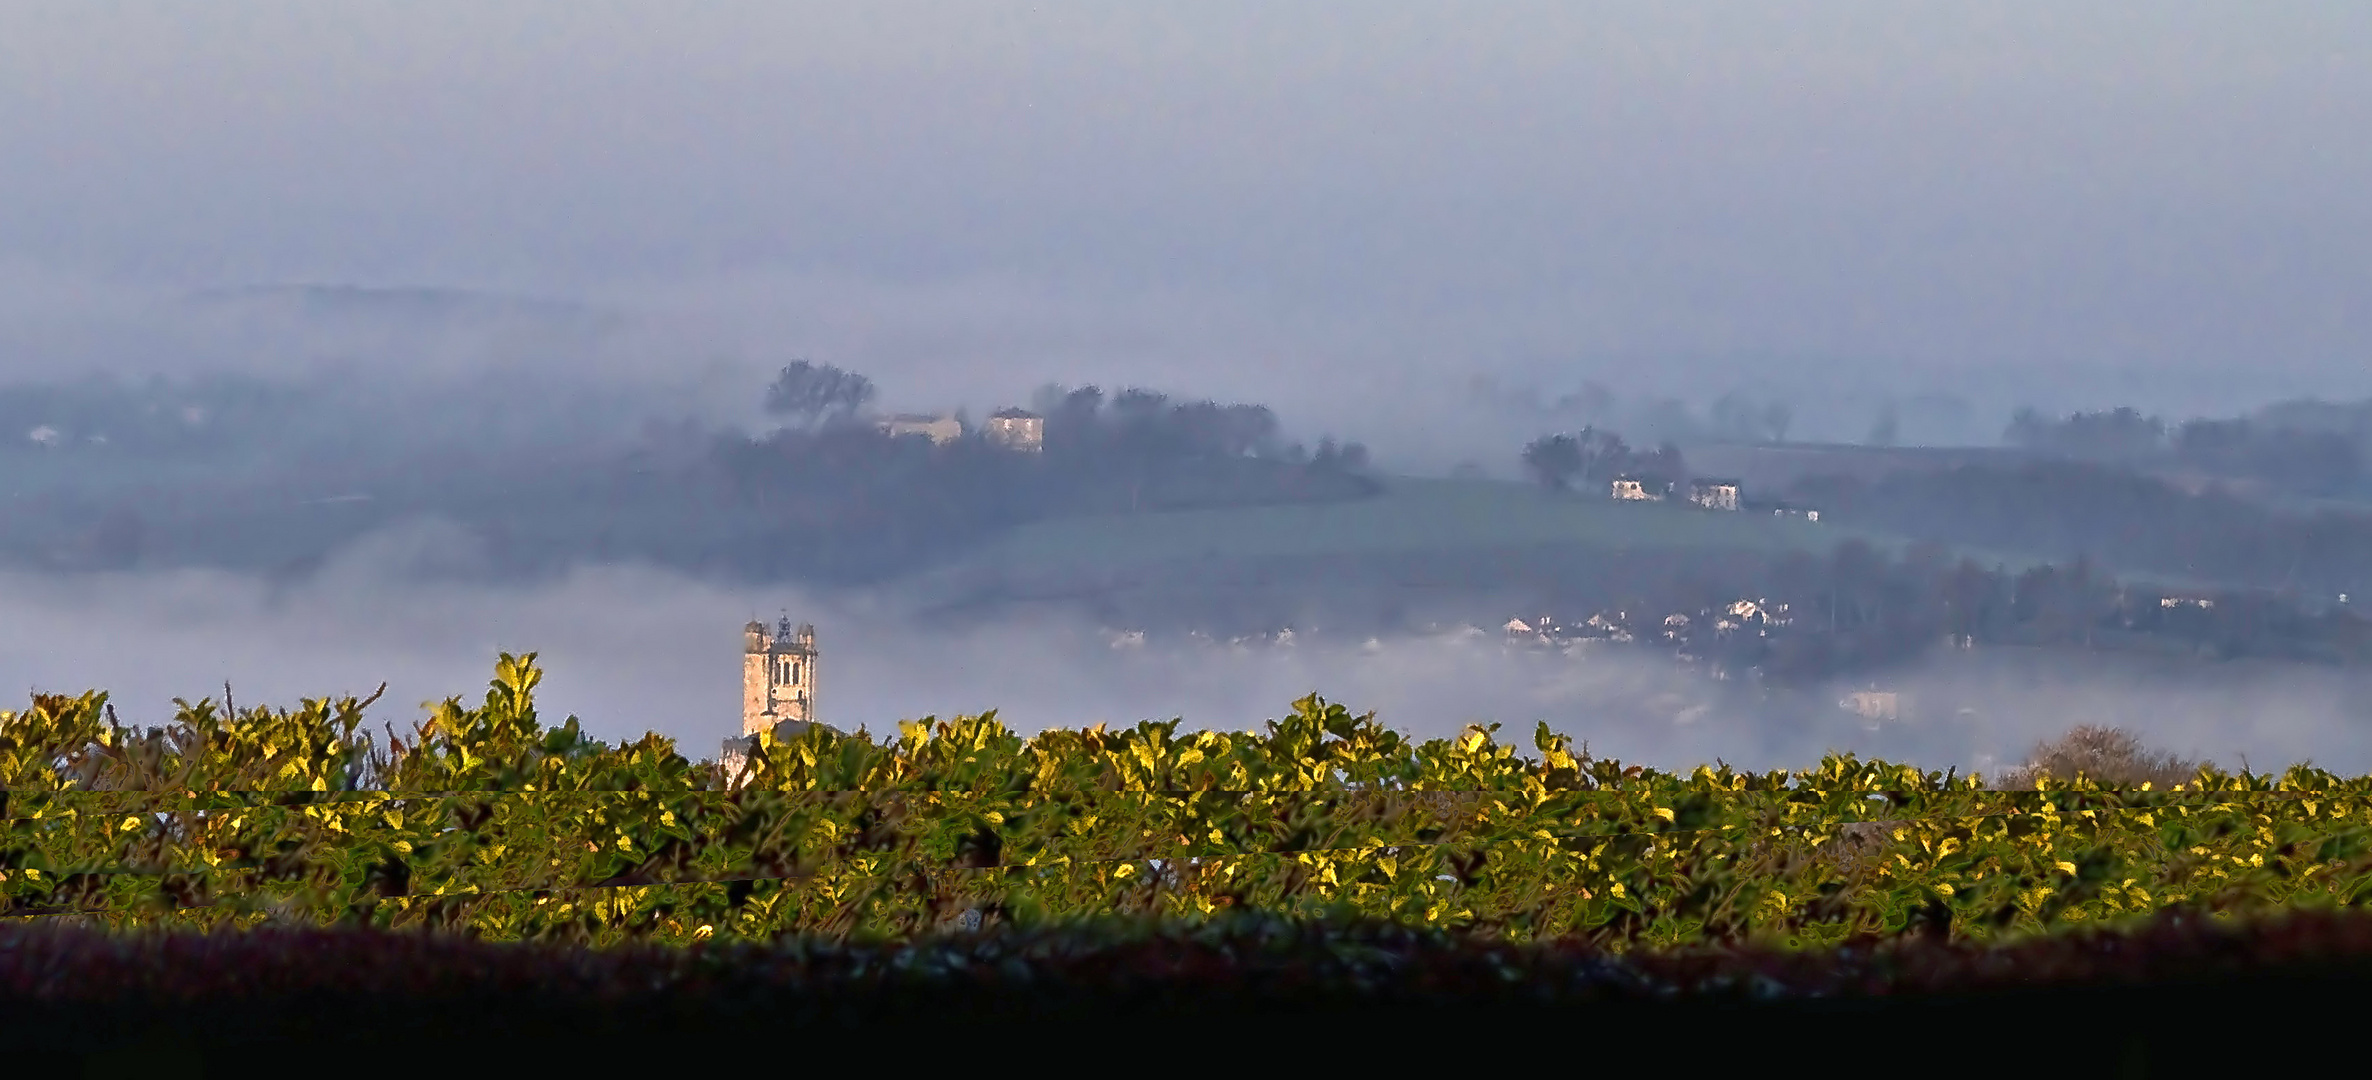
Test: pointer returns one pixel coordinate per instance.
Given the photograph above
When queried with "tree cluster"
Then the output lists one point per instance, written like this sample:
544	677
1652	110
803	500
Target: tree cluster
829	499
2121	434
1594	458
2305	447
1148	425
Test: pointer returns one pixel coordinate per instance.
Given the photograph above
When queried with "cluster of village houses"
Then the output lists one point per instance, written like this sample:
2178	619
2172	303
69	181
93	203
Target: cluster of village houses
1707	493
1546	633
1677	628
1541	632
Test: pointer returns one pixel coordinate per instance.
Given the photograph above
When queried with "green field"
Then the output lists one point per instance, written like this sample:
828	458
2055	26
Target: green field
1410	515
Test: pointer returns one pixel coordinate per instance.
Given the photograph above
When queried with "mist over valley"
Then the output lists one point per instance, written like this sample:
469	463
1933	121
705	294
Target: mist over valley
321	531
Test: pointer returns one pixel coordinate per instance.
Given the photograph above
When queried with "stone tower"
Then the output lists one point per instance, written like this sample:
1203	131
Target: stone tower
777	678
777	689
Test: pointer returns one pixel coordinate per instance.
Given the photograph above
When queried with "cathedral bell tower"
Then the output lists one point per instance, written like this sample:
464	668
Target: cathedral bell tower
777	677
777	688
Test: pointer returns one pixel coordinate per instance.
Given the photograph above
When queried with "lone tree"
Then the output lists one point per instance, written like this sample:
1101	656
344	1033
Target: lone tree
2110	756
810	394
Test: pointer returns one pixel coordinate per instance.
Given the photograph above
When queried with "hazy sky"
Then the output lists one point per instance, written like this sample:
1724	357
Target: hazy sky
2158	200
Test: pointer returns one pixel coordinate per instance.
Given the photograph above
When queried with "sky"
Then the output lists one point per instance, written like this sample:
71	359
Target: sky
1346	208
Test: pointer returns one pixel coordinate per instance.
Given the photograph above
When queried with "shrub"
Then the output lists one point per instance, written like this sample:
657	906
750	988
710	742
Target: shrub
2112	757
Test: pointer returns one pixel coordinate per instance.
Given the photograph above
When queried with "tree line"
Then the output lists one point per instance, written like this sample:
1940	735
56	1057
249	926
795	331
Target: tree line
831	495
2307	447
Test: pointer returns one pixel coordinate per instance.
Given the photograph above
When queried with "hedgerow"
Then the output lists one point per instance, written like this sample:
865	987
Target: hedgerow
486	822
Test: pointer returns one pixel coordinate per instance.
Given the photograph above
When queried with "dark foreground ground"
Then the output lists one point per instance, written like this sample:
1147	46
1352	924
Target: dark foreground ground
2165	998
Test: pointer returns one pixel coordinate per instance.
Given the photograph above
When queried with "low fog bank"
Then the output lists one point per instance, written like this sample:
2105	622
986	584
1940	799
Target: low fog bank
629	649
632	649
1343	210
415	350
1425	393
1985	708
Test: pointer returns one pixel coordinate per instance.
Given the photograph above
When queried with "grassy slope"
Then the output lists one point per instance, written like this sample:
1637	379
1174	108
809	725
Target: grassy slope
1410	515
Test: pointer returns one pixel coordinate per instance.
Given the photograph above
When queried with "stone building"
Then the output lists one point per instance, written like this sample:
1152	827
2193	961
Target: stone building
777	686
1714	494
1017	429
1634	489
938	427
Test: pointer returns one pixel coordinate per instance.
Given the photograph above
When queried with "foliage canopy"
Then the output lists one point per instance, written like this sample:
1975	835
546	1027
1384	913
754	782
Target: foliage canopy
486	821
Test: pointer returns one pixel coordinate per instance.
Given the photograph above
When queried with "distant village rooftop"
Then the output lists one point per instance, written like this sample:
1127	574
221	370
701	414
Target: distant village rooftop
1714	493
938	427
1016	429
1636	489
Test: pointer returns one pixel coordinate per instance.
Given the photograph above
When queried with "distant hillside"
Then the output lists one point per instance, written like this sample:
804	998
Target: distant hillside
1418	549
1768	469
1409	514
